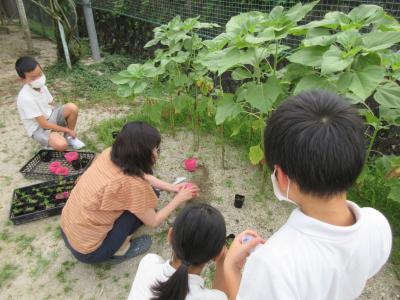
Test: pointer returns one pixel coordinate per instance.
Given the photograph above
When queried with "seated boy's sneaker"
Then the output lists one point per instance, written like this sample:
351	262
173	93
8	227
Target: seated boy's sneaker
75	143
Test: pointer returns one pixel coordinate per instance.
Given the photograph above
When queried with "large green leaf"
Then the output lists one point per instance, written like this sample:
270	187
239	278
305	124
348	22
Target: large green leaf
313	82
323	40
267	34
256	154
262	96
365	80
378	40
349	38
297	71
218	42
344	82
124	91
390	115
299	11
243	23
227	108
334	60
153	111
134	69
181	80
388	95
139	87
118	79
310	56
365	13
181	102
241	73
394	193
222	60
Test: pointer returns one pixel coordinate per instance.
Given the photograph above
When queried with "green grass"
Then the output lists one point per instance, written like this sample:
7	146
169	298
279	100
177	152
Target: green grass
87	84
5	235
40	267
7	272
66	266
57	233
101	270
24	243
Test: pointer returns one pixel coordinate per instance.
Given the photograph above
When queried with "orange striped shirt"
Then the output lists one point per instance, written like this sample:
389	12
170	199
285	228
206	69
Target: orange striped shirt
101	195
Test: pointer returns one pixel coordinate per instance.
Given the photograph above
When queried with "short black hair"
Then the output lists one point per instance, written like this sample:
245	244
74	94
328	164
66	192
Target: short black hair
133	148
198	236
317	139
24	65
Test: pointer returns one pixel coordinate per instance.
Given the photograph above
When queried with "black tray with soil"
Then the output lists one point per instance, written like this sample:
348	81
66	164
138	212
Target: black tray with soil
38	166
41	200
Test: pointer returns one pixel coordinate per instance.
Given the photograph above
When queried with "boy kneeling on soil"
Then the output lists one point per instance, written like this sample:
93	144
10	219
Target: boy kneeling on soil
41	119
329	247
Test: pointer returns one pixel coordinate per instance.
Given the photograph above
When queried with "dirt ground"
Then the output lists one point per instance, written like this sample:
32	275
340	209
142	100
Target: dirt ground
37	263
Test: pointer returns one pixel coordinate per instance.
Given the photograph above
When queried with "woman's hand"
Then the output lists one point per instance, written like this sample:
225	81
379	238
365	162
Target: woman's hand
238	251
178	187
186	193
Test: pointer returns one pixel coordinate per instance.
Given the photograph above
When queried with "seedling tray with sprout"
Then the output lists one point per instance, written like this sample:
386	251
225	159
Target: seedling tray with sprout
41	200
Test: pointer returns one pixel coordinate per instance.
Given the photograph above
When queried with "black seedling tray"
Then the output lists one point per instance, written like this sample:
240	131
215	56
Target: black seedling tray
39	201
38	166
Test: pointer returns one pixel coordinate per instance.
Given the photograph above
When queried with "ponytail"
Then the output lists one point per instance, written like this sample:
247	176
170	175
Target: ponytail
176	287
198	235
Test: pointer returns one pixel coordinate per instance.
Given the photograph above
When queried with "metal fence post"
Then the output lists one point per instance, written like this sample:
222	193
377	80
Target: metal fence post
94	44
25	26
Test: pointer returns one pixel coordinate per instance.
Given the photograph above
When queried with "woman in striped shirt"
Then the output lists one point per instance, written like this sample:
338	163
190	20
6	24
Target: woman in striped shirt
115	196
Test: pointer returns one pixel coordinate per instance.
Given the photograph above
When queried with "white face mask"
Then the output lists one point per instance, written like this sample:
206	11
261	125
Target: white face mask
277	191
39	83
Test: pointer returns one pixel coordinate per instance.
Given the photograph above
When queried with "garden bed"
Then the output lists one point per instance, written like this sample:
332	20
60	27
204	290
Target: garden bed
41	200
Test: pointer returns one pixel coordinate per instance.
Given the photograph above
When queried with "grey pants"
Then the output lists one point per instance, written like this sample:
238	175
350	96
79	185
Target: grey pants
42	135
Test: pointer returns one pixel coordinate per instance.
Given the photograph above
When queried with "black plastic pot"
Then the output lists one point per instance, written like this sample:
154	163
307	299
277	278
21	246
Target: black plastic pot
76	164
239	200
45	156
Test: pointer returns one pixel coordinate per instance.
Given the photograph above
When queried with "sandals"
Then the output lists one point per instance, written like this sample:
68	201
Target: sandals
137	247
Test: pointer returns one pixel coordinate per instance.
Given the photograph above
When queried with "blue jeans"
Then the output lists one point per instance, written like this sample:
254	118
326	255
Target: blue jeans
125	225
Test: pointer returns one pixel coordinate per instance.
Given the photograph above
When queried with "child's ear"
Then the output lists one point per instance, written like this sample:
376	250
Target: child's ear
281	178
169	235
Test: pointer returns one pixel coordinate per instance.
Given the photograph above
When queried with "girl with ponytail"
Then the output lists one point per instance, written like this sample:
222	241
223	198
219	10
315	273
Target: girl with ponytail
197	236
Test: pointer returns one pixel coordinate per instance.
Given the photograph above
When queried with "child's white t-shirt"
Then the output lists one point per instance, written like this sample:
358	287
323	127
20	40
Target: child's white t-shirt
153	268
310	259
32	104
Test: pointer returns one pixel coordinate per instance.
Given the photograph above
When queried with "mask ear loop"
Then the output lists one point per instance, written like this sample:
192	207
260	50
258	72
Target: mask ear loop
287	191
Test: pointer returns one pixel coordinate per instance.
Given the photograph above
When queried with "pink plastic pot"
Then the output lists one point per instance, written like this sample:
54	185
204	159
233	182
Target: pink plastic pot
190	164
71	156
62	171
54	166
189	185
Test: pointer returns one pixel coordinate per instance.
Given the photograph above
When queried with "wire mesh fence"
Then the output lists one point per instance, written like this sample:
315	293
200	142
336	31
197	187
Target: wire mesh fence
220	11
158	12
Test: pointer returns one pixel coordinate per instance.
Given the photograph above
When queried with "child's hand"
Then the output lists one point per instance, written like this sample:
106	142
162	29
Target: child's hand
238	251
186	194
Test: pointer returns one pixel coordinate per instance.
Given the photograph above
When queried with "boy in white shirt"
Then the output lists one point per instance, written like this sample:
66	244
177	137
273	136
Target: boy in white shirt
329	247
41	119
